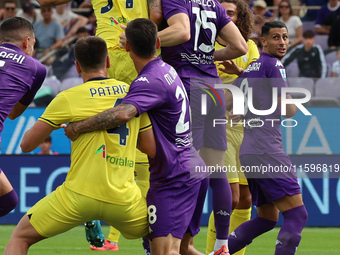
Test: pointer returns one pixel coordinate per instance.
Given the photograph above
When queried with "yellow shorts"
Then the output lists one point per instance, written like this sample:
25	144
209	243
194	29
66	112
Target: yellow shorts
64	209
121	66
142	176
232	158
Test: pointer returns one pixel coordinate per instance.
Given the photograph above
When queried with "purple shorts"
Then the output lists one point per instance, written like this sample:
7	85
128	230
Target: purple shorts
268	186
177	210
205	132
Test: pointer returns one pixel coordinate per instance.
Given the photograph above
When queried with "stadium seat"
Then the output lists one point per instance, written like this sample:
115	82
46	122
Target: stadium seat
308	25
53	83
331	57
292	69
327	92
322	40
70	83
301	82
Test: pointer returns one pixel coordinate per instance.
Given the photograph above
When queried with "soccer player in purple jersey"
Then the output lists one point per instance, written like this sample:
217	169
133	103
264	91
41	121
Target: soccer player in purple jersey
175	199
262	146
188	45
20	78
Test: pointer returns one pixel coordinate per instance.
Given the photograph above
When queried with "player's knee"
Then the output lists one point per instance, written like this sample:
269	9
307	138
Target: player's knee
8	202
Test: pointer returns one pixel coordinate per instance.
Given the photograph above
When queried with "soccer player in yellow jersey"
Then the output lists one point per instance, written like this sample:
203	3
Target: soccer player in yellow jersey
100	183
241	15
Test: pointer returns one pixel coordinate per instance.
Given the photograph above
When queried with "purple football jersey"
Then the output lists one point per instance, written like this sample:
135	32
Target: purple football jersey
262	133
20	78
159	91
195	58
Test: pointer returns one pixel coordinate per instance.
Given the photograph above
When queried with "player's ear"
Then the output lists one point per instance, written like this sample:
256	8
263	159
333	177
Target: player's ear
263	41
127	46
25	43
77	66
158	43
108	64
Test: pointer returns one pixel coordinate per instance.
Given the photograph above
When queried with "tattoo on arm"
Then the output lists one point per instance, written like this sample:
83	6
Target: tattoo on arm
108	119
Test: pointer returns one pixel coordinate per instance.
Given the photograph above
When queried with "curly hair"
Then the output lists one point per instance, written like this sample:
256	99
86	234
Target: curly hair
245	17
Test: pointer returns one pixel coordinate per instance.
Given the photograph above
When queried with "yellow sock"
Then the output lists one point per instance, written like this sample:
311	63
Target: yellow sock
211	235
236	219
113	235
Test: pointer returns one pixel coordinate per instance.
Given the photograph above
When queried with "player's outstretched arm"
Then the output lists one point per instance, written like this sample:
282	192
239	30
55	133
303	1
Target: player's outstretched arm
108	119
50	3
35	136
237	46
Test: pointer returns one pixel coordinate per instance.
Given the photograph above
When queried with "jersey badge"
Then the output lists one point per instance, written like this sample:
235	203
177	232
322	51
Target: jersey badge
283	74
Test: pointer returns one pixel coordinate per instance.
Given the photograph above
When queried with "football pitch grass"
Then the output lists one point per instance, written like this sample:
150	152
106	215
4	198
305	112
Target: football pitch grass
321	241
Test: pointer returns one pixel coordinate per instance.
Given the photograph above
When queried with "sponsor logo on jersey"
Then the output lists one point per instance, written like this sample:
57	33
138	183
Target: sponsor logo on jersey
118	20
142	79
101	149
283	74
278	63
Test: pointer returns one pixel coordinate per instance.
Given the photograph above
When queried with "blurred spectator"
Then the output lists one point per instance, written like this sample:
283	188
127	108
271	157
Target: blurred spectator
326	17
29	12
9	10
45	147
48	32
310	57
262	15
257	39
92	25
61	67
293	23
310	14
334	35
336	64
68	19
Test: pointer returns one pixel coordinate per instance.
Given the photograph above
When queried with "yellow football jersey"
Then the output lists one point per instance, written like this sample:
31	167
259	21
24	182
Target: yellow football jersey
243	62
102	162
110	14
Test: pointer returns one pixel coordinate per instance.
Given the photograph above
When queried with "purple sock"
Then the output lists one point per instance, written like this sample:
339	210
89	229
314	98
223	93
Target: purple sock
290	234
146	246
8	202
221	204
246	232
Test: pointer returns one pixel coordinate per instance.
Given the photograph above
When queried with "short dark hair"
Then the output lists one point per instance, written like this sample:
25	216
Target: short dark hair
308	34
15	29
142	36
82	30
272	24
91	52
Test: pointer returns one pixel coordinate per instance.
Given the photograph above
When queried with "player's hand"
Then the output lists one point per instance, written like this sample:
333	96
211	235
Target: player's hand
229	67
69	132
234	118
122	37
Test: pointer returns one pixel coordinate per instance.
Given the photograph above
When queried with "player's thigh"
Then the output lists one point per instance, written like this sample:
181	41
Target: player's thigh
122	67
62	210
170	210
131	220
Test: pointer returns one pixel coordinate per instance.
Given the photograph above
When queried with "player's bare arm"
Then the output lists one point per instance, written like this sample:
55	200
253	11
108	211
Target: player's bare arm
108	119
177	32
50	3
146	143
155	11
291	109
17	110
237	46
35	136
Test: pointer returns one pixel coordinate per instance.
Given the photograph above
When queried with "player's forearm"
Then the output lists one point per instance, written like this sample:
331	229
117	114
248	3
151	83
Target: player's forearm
108	119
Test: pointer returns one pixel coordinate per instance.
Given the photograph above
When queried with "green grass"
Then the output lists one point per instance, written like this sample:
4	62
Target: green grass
324	241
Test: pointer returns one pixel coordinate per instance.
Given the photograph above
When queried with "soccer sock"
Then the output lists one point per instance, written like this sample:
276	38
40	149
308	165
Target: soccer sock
146	246
290	234
221	204
8	202
211	235
113	235
238	217
247	231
